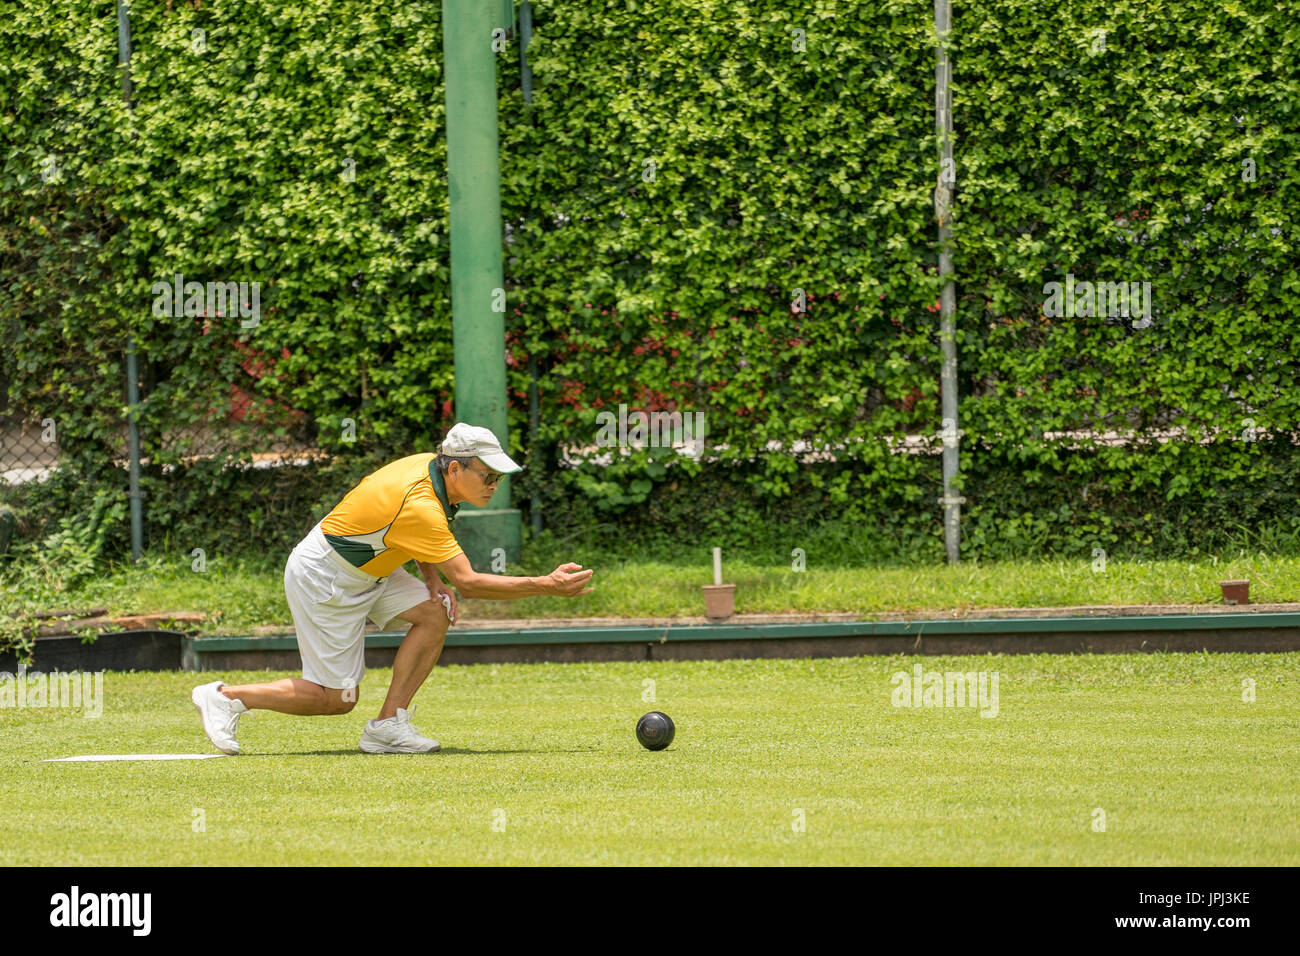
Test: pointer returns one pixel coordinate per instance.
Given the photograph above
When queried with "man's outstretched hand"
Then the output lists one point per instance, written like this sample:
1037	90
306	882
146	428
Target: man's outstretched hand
568	580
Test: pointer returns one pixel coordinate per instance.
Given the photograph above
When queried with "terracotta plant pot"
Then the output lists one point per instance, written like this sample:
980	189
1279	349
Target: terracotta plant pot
719	601
1235	592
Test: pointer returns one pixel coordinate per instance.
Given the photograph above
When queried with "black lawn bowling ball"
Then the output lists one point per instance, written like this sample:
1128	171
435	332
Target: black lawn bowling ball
655	730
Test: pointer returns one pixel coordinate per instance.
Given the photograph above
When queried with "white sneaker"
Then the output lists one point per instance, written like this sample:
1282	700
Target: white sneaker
396	736
220	716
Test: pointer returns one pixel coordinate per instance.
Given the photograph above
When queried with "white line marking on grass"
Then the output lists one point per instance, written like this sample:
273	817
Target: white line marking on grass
136	757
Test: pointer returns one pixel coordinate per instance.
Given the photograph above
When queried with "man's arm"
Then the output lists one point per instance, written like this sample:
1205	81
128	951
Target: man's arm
568	580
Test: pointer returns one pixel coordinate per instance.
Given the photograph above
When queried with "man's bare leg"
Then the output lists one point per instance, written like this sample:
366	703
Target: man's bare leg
293	695
415	658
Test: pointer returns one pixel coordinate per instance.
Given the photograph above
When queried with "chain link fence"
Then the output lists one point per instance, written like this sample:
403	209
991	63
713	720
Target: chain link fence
224	466
29	448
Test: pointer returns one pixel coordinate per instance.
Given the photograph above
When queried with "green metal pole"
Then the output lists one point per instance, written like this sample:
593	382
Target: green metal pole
477	277
132	371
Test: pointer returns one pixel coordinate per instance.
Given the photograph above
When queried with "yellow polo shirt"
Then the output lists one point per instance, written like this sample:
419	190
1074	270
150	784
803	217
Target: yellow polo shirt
397	513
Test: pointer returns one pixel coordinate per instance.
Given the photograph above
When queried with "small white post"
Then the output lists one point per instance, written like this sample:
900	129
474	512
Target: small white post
717	567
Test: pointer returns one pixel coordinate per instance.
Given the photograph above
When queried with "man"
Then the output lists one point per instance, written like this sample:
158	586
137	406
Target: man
350	567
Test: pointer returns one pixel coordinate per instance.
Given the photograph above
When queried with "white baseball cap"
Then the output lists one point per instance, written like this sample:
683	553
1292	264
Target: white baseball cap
472	441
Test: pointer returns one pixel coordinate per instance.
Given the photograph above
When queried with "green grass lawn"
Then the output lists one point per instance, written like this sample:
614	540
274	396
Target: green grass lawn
1186	772
241	595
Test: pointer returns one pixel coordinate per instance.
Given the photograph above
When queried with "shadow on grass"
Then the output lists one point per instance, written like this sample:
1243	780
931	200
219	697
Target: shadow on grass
445	750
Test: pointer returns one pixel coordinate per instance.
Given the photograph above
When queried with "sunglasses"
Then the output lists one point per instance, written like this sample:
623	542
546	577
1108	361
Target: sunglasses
489	480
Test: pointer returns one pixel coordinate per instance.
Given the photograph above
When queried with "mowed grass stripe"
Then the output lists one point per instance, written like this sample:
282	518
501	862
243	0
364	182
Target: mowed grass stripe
1185	770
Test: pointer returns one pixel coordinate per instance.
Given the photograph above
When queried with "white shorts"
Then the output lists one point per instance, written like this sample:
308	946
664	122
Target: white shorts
330	601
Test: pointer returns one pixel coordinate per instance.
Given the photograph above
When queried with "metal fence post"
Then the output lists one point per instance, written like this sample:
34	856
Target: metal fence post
132	372
534	402
947	179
